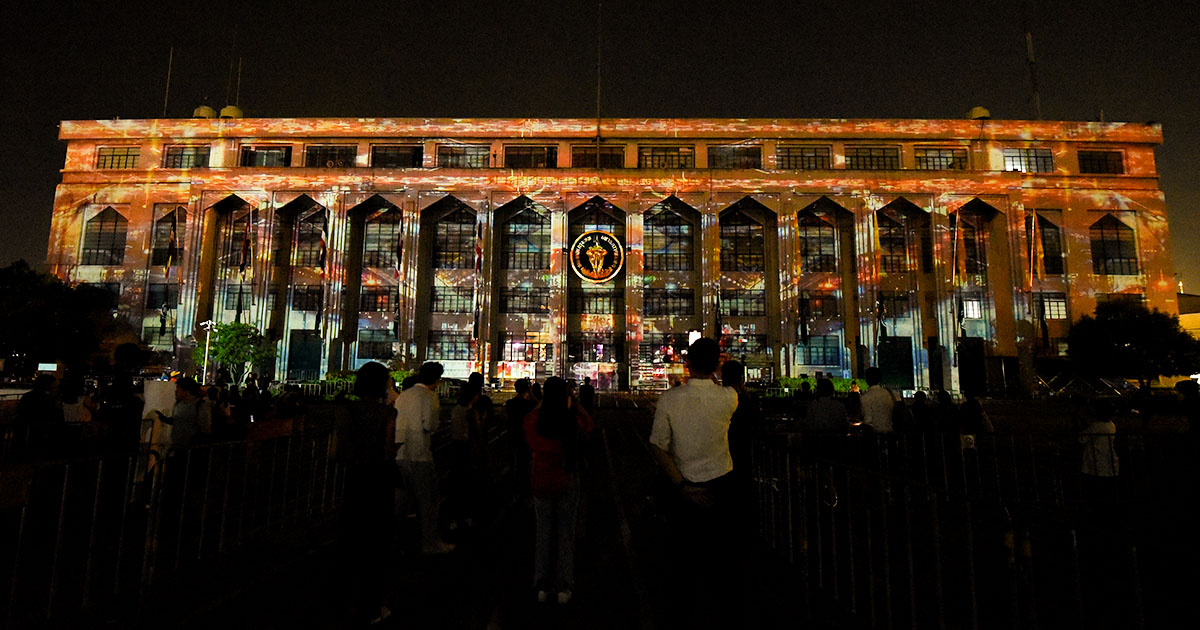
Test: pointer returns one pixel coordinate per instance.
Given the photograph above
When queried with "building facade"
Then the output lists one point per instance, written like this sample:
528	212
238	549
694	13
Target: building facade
949	252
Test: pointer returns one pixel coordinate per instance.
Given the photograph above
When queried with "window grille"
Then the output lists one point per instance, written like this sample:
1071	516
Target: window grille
824	350
1050	305
454	241
1052	253
872	158
939	159
1101	162
663	348
375	343
1029	160
669	302
820	305
530	347
803	158
818	244
266	156
160	293
232	292
307	297
530	156
669	240
397	155
381	237
611	156
742	243
308	240
597	301
893	243
525	300
330	156
595	348
104	239
743	303
377	299
456	300
117	157
172	221
186	156
892	305
1114	251
463	155
735	156
740	345
448	345
666	157
526	240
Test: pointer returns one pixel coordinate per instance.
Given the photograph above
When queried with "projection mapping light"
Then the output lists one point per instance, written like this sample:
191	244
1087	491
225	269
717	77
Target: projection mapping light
597	256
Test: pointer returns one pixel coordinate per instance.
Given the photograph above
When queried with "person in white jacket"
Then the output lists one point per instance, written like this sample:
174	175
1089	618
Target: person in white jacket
1100	464
416	419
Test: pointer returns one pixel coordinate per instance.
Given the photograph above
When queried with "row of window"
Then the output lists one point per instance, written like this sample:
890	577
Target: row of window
669	242
795	157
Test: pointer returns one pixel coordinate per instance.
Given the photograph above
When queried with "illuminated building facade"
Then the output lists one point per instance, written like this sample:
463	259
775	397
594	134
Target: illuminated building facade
950	252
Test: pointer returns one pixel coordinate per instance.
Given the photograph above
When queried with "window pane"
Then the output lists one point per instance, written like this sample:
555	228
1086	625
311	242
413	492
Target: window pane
1113	249
463	155
171	223
454	241
104	239
397	156
530	346
309	234
528	156
525	300
735	157
935	159
306	297
743	303
266	156
595	347
803	158
377	299
818	244
330	156
666	157
526	240
611	156
1029	160
669	301
186	157
448	346
375	343
1103	162
381	240
669	240
456	300
117	157
872	158
821	350
742	244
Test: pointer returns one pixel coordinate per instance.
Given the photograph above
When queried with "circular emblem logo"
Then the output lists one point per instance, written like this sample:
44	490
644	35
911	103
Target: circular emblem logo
597	256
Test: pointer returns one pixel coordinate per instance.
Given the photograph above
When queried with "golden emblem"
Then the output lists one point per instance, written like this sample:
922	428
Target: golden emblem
597	256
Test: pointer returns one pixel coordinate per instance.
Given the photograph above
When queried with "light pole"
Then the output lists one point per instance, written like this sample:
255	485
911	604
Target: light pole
207	325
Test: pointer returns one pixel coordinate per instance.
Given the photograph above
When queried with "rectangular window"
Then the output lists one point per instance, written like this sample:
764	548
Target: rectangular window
803	158
160	293
667	157
104	239
330	156
186	156
307	297
1029	160
375	343
527	241
595	348
1101	162
266	156
658	348
150	334
456	300
611	156
1052	253
820	305
530	156
940	159
525	300
397	155
735	156
1054	305
892	304
587	301
740	345
1121	297
377	299
173	219
529	347
463	155
872	158
381	240
972	308
821	350
669	302
743	303
117	157
448	345
231	296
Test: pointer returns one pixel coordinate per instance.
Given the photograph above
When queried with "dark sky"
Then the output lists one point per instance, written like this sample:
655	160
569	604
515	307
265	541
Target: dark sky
1135	62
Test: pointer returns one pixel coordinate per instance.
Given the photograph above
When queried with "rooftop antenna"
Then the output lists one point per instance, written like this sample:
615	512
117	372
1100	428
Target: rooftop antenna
237	95
599	40
1037	99
167	92
229	77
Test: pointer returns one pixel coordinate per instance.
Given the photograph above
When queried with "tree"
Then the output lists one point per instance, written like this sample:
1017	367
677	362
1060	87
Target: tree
1125	339
237	347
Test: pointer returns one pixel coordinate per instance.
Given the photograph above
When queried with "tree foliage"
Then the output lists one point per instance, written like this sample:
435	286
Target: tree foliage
1125	339
237	347
44	320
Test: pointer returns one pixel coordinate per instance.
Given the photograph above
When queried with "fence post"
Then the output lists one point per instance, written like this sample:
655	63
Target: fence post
58	541
87	570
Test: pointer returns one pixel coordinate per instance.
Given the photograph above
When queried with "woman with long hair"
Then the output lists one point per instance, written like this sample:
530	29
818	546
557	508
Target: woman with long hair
554	431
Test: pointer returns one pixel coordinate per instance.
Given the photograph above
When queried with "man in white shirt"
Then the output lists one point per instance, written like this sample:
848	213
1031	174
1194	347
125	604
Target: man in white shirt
690	438
416	419
877	402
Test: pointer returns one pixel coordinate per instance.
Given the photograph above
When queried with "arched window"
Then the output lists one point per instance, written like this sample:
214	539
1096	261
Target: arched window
311	235
1052	252
381	236
893	244
818	242
526	240
742	243
104	239
1113	249
973	245
597	214
454	240
164	250
669	239
239	240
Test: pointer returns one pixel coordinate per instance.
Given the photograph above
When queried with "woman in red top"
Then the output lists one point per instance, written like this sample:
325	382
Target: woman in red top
554	431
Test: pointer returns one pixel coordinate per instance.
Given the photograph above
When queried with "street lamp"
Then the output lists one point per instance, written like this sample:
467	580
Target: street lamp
208	326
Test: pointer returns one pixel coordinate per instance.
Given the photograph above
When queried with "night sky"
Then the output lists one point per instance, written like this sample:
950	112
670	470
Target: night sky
1133	62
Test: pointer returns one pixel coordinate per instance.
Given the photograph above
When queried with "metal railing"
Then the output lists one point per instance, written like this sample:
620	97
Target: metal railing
103	533
908	538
